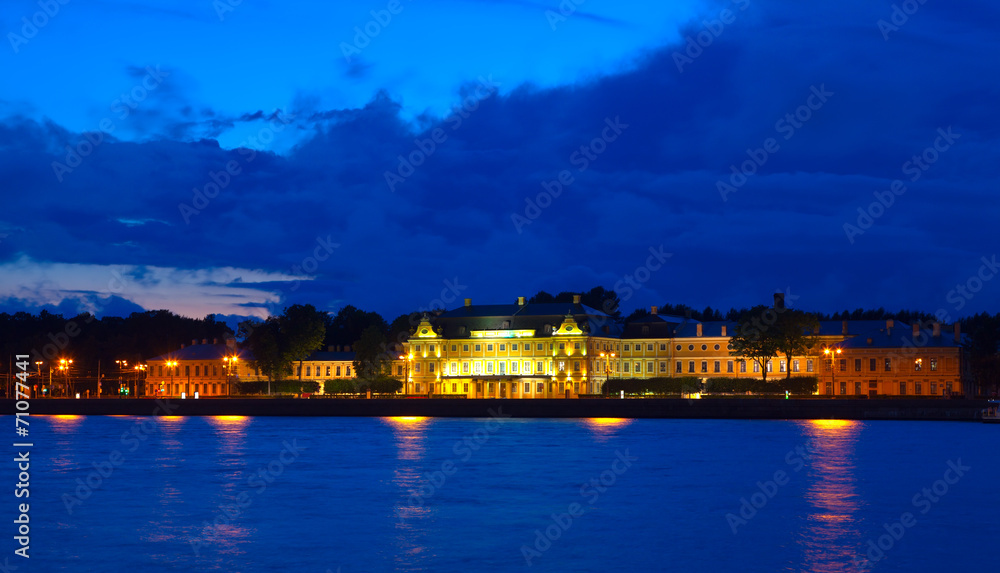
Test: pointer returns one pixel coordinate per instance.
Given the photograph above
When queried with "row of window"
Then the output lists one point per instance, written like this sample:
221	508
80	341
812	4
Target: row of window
904	387
502	347
319	371
918	364
206	389
491	387
199	370
501	367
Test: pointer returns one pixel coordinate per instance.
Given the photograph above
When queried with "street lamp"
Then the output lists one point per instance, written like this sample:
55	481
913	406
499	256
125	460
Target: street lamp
171	364
64	366
833	354
606	358
408	359
230	365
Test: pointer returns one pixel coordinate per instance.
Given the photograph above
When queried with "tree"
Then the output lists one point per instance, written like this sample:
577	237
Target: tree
371	362
756	337
793	332
301	332
346	326
263	340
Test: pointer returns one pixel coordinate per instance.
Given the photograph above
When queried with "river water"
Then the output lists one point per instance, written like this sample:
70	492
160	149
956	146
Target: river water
244	494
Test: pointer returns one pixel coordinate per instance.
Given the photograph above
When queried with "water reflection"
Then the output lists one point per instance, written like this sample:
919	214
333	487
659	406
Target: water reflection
831	532
605	428
410	434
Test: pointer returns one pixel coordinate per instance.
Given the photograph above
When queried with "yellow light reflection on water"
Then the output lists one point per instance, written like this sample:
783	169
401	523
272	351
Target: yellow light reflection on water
832	532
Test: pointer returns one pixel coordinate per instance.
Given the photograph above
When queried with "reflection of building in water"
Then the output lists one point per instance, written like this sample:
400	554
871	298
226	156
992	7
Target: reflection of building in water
831	535
604	428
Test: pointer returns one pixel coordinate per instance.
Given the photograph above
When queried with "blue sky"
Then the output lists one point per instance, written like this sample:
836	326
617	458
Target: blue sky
263	154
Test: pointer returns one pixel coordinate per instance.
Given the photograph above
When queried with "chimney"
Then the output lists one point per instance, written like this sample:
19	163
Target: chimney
194	342
204	341
843	328
653	310
215	341
937	330
916	329
699	330
779	301
724	330
889	323
520	301
329	348
576	299
958	333
468	302
182	345
347	348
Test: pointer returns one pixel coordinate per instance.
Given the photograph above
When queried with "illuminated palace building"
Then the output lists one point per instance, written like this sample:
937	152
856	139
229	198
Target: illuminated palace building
564	350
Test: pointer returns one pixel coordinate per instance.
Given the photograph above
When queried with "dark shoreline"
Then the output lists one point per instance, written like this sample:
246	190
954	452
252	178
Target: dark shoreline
732	408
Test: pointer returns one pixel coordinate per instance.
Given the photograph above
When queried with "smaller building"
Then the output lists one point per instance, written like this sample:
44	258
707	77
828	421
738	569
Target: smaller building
205	369
335	363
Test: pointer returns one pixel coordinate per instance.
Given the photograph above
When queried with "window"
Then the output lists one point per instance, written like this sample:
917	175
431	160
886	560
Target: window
871	365
781	366
465	387
843	388
539	346
465	368
489	369
729	366
465	348
795	365
454	387
416	368
678	348
479	386
649	367
625	367
513	367
338	370
769	365
454	348
576	387
527	387
431	349
307	370
479	347
328	370
843	365
513	388
690	346
718	366
502	368
902	388
680	367
454	368
489	348
857	388
160	368
576	366
513	346
489	387
576	346
399	371
562	387
663	347
527	367
933	388
197	370
917	388
933	364
704	365
541	367
626	347
716	346
418	348
809	365
649	347
704	347
663	367
503	347
857	365
187	370
348	370
918	364
690	365
562	365
888	364
756	366
829	388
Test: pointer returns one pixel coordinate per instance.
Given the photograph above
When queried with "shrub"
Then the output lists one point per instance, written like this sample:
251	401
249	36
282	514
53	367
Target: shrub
652	385
795	385
339	387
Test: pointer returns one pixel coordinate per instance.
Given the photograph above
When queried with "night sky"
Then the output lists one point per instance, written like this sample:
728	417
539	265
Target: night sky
706	153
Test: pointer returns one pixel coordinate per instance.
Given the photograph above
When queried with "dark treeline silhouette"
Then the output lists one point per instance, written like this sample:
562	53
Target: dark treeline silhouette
88	340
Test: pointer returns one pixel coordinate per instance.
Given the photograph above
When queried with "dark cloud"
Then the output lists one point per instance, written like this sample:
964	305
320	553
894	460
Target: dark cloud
450	221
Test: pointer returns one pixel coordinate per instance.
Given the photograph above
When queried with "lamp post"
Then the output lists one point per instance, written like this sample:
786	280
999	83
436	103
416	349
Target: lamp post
230	365
171	364
64	366
833	353
408	358
606	358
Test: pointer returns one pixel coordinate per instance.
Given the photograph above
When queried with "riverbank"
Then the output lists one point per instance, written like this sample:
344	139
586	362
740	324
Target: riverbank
732	408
